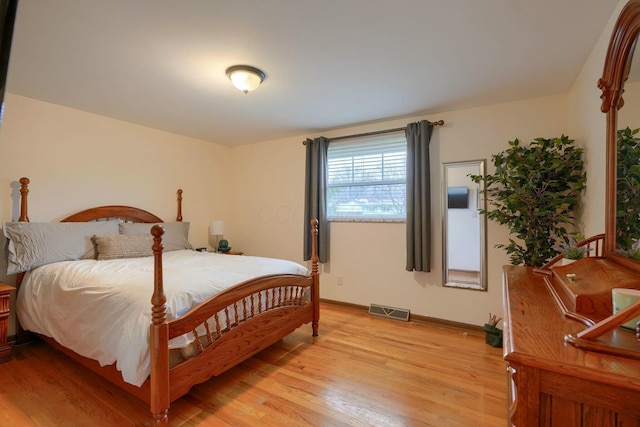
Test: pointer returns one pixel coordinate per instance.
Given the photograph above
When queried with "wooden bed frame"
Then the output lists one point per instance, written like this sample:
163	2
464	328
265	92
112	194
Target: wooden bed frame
243	325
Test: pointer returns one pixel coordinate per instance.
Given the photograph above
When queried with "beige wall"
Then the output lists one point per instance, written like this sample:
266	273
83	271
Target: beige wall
269	195
76	160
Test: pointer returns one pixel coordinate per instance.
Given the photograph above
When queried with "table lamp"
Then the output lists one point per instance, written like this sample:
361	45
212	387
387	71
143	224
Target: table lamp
216	228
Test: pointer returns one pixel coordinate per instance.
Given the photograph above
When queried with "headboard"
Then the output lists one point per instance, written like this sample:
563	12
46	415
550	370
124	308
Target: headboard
101	213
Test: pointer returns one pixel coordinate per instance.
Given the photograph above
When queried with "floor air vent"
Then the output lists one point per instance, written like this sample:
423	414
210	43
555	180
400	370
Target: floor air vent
393	313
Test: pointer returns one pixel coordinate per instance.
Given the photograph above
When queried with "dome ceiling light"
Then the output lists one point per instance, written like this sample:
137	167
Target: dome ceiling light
245	77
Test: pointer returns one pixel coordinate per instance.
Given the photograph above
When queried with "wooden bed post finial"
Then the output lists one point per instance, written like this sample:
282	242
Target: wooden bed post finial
159	337
179	217
24	191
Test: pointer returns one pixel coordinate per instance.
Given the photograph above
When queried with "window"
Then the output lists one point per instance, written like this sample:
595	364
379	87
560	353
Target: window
366	178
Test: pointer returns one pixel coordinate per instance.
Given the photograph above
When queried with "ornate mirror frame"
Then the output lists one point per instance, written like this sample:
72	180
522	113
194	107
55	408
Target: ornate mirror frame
616	72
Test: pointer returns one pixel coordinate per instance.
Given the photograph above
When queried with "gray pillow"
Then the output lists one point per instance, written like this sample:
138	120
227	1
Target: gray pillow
175	237
114	246
32	244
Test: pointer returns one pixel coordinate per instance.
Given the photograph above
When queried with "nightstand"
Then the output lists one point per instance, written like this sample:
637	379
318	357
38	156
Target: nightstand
5	309
232	253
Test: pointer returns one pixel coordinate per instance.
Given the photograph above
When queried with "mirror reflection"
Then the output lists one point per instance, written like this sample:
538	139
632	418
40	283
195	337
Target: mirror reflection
464	226
628	164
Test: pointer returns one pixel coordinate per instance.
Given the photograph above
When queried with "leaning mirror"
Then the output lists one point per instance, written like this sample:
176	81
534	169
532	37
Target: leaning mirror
464	226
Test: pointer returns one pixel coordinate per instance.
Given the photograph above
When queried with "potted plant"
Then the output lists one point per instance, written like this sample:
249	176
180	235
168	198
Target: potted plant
571	250
493	335
535	191
633	251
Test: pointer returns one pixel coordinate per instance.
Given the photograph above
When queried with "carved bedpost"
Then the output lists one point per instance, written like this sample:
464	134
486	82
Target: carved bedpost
22	336
159	338
24	192
316	279
179	217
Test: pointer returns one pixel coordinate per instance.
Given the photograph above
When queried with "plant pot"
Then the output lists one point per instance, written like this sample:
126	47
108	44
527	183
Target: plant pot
493	335
567	261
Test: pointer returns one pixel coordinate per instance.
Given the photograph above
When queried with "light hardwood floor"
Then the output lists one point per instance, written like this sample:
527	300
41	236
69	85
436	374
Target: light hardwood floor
361	371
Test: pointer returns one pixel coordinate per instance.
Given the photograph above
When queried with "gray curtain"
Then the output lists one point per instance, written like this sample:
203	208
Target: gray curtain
315	203
418	196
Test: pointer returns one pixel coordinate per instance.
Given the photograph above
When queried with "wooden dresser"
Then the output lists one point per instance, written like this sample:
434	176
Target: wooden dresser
552	383
593	377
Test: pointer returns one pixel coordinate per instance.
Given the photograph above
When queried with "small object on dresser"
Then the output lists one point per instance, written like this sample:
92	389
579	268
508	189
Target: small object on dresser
223	246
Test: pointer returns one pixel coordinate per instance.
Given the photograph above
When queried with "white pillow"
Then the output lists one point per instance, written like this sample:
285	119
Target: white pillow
175	237
32	244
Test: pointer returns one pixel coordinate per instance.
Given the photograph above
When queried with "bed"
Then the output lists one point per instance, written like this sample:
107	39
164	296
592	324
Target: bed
231	308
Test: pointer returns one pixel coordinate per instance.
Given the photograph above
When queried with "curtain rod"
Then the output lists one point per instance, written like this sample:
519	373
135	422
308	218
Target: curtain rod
378	132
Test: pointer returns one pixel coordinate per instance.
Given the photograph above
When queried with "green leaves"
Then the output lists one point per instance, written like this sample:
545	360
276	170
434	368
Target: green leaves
535	190
628	191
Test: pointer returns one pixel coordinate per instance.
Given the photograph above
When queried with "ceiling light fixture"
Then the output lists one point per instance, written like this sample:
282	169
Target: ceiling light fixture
245	77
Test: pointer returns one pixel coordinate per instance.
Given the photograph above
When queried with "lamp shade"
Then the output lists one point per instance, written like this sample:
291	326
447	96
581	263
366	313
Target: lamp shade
245	77
216	228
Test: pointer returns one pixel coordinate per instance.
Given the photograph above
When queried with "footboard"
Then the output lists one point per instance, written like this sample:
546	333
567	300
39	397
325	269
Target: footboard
236	324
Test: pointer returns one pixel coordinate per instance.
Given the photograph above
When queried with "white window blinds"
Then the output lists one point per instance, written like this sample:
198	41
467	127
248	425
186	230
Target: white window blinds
366	178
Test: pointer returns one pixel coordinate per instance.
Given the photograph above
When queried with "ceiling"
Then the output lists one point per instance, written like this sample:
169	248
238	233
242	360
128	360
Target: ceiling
329	63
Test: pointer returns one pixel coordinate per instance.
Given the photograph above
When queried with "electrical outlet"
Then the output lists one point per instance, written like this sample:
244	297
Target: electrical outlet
339	280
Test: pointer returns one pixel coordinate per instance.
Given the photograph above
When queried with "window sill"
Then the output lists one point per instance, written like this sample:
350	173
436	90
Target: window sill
375	220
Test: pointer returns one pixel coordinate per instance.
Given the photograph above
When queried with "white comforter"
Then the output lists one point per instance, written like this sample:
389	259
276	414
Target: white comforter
102	309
